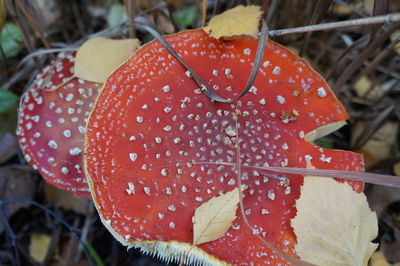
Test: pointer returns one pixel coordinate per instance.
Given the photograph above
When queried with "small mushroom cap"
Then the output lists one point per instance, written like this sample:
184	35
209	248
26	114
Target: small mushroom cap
157	147
52	122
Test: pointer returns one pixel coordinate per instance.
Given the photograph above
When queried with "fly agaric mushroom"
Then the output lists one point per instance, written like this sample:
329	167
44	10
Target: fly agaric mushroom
157	147
52	119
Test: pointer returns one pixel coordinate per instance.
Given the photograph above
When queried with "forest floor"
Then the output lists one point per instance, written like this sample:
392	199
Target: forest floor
42	225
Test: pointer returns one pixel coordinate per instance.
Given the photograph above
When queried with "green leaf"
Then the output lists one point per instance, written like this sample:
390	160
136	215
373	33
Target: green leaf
326	143
93	253
11	39
147	37
116	15
185	17
8	111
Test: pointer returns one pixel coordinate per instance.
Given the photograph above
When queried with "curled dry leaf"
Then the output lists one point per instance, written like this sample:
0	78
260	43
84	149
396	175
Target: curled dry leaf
98	57
334	225
236	22
214	217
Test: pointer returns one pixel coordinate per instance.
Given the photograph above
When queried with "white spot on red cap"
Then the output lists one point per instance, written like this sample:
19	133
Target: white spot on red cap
271	194
52	144
276	71
133	156
171	208
146	190
75	151
321	92
69	97
280	99
64	170
67	133
166	88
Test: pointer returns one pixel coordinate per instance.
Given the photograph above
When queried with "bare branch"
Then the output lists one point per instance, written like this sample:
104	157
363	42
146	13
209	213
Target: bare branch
390	18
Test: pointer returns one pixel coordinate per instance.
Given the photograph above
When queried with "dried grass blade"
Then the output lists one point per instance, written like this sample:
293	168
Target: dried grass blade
390	18
378	179
204	13
381	7
319	11
349	71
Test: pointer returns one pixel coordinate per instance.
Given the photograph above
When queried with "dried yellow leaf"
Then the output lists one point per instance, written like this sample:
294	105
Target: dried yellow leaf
214	217
334	225
38	246
378	259
342	10
396	169
236	22
97	58
395	35
380	145
366	89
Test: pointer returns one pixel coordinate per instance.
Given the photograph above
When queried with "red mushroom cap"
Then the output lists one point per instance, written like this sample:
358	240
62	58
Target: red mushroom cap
52	124
152	126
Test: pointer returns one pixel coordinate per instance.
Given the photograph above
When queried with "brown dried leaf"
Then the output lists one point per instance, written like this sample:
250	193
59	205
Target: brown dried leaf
8	146
16	184
97	58
236	22
214	217
334	225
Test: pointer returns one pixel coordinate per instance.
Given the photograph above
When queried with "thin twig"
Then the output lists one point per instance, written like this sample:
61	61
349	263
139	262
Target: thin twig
390	18
35	26
204	13
372	178
12	235
203	85
131	18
